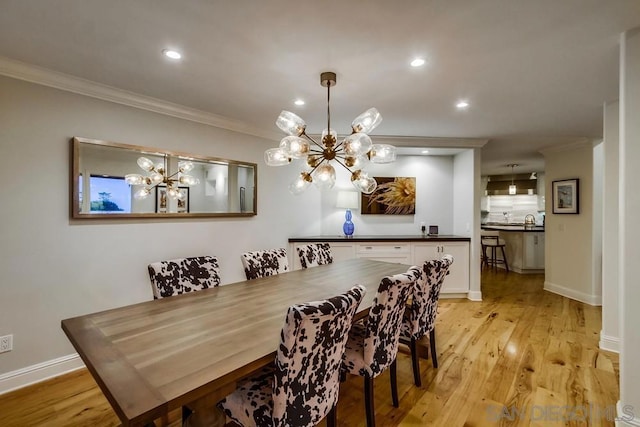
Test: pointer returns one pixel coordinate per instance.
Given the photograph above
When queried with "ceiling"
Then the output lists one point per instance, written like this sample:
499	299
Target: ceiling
535	72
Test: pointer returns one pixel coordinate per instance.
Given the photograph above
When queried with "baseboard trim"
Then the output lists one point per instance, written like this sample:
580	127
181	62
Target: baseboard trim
626	416
609	343
453	295
573	294
40	372
475	295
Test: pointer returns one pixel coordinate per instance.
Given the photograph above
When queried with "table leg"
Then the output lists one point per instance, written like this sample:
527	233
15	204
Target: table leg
209	416
205	412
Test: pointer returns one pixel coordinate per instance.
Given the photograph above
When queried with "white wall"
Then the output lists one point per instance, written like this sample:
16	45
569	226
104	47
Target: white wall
434	198
629	231
54	268
466	211
569	237
596	222
610	334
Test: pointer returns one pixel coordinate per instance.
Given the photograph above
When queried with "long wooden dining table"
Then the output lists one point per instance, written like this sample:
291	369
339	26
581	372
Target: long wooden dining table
153	357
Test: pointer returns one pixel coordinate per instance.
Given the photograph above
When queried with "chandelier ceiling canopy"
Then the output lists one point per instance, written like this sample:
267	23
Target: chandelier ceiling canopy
353	153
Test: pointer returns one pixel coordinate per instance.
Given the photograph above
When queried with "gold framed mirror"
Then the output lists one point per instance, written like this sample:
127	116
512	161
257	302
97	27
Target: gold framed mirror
111	180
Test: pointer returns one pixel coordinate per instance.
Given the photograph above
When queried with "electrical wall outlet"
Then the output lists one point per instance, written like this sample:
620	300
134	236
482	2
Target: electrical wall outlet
6	343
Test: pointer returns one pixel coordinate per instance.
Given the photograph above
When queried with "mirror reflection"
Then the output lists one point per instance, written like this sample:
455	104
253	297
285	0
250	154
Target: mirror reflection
112	180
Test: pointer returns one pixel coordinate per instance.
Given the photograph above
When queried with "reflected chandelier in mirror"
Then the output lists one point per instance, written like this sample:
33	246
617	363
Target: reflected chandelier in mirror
105	183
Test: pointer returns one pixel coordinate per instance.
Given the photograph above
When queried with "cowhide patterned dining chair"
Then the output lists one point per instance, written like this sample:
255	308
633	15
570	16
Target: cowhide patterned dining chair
181	275
314	254
265	263
303	385
373	342
420	317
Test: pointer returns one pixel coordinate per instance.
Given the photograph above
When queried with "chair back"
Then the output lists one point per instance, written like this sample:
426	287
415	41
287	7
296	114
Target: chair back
382	332
308	360
265	263
421	318
181	275
314	254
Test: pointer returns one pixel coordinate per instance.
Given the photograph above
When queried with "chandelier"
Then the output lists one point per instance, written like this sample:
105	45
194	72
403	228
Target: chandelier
158	174
353	153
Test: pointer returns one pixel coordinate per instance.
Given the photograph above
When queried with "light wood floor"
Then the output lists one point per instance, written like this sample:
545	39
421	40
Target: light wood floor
522	357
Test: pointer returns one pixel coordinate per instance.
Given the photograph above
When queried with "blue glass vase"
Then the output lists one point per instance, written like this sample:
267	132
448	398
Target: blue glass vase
348	226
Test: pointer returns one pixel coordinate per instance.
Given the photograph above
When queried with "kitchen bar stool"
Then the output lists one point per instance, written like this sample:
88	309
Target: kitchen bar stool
490	240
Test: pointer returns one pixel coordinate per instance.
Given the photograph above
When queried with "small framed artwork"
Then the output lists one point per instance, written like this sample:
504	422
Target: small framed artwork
566	196
161	199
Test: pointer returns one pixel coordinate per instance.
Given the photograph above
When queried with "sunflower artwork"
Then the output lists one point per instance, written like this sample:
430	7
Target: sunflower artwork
393	196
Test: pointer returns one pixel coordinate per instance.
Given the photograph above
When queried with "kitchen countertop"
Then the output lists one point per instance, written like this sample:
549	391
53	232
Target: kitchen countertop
384	238
514	227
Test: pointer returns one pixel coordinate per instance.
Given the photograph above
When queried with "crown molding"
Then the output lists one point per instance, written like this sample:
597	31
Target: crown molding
42	76
431	141
427	141
573	145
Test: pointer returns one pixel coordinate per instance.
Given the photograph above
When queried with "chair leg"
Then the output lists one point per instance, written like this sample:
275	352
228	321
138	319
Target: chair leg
415	362
185	413
485	261
394	384
368	401
504	257
332	417
494	258
432	344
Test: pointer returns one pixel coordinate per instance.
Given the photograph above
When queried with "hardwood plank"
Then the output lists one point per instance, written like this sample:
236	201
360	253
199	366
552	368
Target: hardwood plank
503	362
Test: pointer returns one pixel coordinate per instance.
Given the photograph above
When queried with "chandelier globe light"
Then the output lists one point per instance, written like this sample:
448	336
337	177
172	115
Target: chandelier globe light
158	174
354	152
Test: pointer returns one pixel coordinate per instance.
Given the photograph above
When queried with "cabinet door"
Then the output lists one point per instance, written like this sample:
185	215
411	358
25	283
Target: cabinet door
533	251
457	281
342	251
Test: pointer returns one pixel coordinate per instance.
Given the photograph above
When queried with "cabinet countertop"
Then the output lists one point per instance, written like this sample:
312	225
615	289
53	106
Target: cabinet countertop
384	238
520	228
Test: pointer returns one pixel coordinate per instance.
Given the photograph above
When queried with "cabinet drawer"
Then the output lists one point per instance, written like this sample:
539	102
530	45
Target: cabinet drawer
383	249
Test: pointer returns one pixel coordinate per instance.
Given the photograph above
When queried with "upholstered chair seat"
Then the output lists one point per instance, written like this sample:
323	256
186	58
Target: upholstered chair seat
302	386
420	316
314	254
372	346
265	263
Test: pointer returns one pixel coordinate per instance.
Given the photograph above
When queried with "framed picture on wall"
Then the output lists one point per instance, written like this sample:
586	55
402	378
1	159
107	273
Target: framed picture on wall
566	196
393	196
161	199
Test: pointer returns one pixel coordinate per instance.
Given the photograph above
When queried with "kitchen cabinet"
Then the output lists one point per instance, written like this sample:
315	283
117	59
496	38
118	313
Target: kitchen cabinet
533	251
524	247
457	281
389	252
410	250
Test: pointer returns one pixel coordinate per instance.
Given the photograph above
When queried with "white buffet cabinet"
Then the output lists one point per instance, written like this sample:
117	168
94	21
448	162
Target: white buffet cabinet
410	250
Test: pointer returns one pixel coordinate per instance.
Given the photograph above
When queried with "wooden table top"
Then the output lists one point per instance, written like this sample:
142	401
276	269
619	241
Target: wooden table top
156	356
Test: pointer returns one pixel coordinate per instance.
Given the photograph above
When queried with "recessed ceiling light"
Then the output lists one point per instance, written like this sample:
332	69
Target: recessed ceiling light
425	151
462	104
173	54
299	102
418	62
